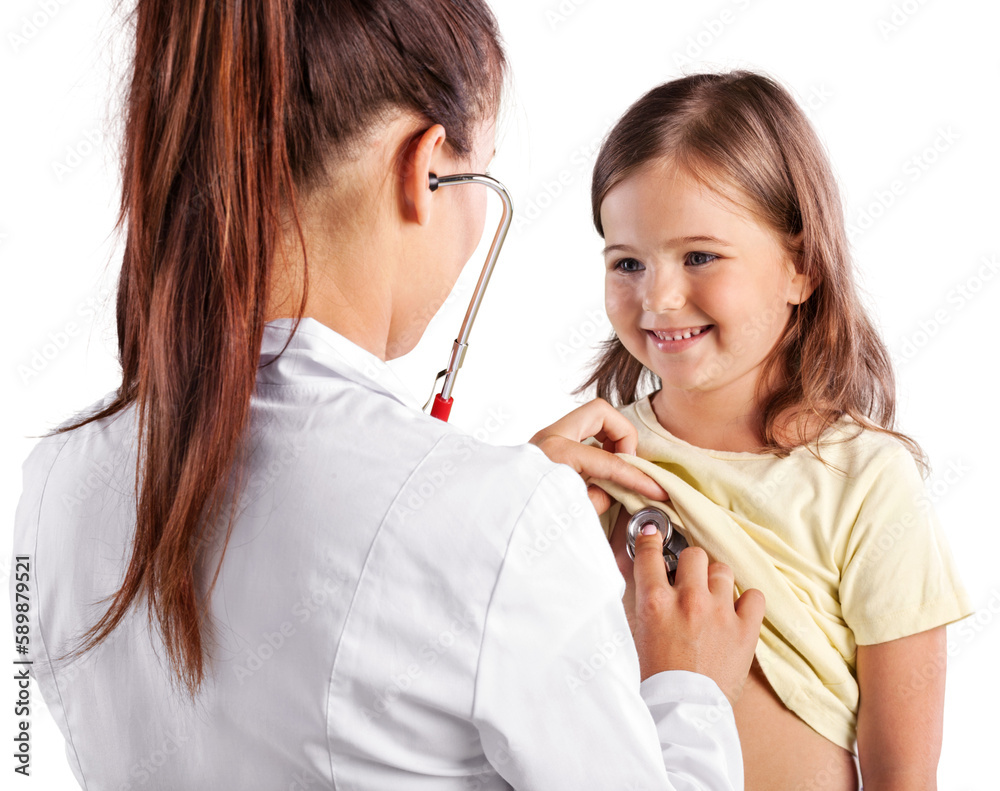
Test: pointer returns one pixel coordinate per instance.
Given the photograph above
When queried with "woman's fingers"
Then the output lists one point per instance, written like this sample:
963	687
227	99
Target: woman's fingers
694	625
594	463
599	498
649	570
562	442
720	579
692	568
596	419
750	606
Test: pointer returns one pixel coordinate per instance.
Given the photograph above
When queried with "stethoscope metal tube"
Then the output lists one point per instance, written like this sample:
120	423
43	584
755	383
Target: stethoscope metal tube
673	540
443	401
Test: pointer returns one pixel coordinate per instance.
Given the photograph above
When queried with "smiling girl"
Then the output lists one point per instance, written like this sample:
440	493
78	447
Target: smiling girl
729	286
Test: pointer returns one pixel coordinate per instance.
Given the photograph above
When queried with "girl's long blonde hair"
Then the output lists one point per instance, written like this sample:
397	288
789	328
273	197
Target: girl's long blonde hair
742	130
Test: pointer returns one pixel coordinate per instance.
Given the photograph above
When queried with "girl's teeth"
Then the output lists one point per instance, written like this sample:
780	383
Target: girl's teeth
679	337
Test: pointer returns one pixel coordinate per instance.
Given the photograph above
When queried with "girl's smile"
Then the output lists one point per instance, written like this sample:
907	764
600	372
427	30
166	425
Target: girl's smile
677	340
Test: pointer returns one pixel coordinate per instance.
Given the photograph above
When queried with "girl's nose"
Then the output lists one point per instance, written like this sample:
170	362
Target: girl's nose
664	291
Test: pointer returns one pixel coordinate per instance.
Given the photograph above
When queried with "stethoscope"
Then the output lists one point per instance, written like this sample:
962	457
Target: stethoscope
442	402
673	540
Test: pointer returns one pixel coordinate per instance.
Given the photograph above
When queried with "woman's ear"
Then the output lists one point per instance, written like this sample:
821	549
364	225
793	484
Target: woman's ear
419	160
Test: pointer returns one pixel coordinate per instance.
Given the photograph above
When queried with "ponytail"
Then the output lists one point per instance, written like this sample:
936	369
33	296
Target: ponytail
231	112
204	167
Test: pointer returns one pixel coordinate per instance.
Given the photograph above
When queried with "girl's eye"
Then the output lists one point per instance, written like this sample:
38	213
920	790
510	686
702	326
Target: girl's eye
629	265
700	259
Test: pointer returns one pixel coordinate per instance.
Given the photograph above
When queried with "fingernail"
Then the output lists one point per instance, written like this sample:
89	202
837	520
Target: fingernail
648	529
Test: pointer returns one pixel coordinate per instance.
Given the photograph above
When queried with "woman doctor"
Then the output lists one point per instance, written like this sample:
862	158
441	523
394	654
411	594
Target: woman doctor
257	563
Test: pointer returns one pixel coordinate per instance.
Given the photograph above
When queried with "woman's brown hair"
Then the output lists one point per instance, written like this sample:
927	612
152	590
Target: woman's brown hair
742	133
233	111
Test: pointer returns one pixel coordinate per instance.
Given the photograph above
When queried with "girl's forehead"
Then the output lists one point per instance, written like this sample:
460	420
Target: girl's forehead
662	204
705	180
684	190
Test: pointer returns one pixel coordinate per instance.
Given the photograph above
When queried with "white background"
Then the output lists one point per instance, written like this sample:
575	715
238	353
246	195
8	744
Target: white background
901	92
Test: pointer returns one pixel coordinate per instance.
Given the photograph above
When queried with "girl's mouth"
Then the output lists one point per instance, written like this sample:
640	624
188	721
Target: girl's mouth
677	340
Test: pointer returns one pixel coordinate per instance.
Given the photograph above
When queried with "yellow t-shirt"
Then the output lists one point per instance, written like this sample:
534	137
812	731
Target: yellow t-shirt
843	558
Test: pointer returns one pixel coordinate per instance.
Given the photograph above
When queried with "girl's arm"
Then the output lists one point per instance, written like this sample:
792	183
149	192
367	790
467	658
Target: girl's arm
901	711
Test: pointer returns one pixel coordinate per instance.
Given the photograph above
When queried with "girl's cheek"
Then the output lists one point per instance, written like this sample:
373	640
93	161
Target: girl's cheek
617	303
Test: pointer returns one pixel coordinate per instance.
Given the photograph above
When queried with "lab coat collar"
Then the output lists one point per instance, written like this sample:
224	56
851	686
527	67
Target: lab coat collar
317	352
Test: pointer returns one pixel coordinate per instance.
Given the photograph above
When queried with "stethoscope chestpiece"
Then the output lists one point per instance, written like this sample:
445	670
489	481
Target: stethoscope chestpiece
673	541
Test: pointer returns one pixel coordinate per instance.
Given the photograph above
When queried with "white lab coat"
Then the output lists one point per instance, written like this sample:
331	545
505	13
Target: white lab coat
401	606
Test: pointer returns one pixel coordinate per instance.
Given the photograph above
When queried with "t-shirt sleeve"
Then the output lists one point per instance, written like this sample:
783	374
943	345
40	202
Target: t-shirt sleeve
899	577
558	701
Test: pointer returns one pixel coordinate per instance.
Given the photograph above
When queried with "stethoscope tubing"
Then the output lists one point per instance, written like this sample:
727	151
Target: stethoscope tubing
443	401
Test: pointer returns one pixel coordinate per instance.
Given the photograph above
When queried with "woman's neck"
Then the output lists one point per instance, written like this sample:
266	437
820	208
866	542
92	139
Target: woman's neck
349	282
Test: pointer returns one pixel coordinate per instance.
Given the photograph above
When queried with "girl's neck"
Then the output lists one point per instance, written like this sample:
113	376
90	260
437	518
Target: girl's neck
712	420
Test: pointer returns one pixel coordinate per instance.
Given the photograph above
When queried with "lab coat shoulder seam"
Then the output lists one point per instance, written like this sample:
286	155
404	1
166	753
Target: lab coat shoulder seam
361	578
496	582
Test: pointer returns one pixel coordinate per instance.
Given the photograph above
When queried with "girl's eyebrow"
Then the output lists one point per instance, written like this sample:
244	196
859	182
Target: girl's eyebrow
679	241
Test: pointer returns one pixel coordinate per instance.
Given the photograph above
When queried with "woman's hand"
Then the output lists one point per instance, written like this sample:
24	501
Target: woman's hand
562	442
694	623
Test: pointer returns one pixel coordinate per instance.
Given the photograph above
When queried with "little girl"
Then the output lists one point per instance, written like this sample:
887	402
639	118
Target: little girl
728	284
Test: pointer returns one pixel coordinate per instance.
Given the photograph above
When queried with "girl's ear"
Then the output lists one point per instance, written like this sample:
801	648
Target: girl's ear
800	285
800	289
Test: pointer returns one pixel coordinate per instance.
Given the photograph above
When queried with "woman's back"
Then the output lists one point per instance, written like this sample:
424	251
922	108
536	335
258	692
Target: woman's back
351	608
